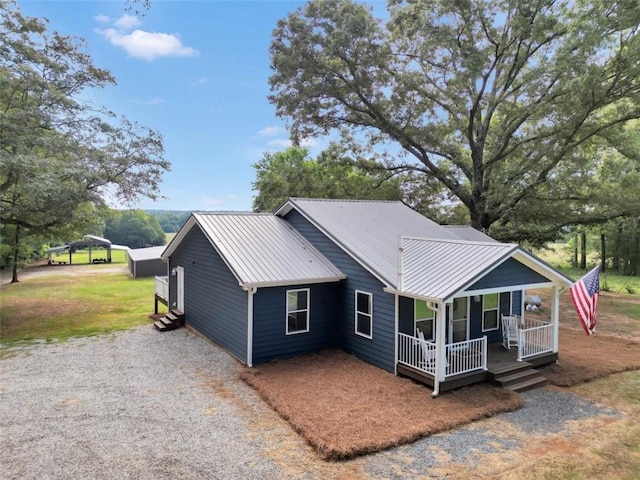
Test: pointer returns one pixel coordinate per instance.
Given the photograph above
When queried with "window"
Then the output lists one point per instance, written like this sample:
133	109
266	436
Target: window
460	321
297	311
364	314
424	317
490	312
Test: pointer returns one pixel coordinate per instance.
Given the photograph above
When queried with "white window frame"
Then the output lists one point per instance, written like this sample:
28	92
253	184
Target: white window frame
370	314
416	319
496	309
307	310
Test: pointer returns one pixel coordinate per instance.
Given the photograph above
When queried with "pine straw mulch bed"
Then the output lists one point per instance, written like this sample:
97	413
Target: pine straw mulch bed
345	407
583	358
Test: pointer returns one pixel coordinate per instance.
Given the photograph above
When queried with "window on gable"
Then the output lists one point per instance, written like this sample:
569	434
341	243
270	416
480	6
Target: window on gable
424	319
297	311
364	314
490	312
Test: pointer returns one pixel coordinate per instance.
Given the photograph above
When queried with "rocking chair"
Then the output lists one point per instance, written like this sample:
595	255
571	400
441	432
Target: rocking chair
510	332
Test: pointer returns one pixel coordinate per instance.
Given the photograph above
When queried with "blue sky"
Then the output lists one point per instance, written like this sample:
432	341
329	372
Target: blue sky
196	71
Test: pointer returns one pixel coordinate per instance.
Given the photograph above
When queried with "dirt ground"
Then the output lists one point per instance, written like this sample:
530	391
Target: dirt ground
41	269
327	399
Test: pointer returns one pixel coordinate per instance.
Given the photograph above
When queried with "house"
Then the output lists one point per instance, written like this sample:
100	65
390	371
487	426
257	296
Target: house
374	278
146	262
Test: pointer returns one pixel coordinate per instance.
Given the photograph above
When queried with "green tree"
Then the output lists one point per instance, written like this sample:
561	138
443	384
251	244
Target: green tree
60	155
134	228
493	99
292	173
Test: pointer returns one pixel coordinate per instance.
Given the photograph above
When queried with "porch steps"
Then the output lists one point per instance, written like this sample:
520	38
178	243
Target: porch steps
517	376
172	320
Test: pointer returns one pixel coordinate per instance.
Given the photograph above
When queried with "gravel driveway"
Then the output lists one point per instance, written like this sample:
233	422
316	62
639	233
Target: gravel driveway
144	405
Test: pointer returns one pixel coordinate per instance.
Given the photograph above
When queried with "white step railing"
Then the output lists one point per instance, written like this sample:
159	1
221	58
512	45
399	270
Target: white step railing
462	357
162	287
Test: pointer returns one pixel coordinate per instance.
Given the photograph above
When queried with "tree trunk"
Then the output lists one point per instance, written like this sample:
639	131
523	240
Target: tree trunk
574	262
583	250
603	253
16	255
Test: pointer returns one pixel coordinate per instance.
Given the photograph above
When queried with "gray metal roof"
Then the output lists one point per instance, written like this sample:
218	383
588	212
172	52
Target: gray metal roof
261	249
465	232
368	230
148	253
437	269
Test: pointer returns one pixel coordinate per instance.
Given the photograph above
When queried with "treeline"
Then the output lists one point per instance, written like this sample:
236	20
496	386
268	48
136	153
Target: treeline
170	220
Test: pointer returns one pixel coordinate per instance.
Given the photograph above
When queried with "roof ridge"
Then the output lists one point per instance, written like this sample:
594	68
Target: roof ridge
461	241
351	200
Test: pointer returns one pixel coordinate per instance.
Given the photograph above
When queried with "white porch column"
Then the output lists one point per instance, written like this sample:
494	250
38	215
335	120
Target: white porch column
441	349
555	316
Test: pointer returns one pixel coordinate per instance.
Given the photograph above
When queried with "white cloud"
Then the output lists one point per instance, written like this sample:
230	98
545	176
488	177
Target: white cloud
200	81
140	43
149	45
279	142
126	22
270	131
102	18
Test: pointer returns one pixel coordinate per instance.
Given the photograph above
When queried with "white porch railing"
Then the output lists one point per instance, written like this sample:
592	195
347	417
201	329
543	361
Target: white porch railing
416	353
468	356
535	338
462	357
162	287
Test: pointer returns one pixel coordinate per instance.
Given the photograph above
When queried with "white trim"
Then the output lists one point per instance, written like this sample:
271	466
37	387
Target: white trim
396	302
355	311
506	288
307	309
250	293
292	282
555	317
180	288
497	310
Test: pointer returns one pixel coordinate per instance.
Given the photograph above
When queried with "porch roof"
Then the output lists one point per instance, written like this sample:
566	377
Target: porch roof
437	269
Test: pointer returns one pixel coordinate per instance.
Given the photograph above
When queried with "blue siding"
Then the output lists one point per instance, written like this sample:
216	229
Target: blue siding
270	340
509	273
380	350
214	303
516	302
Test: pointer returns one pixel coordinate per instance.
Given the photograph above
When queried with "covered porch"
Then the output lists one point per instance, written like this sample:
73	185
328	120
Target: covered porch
476	360
451	302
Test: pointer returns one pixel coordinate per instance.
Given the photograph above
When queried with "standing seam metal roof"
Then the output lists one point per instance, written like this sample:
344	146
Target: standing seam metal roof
369	230
437	269
264	250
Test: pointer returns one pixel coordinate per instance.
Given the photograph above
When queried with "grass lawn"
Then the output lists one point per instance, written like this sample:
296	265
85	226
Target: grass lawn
61	307
82	256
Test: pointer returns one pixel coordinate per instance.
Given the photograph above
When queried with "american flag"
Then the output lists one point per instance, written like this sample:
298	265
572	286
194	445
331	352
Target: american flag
585	298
